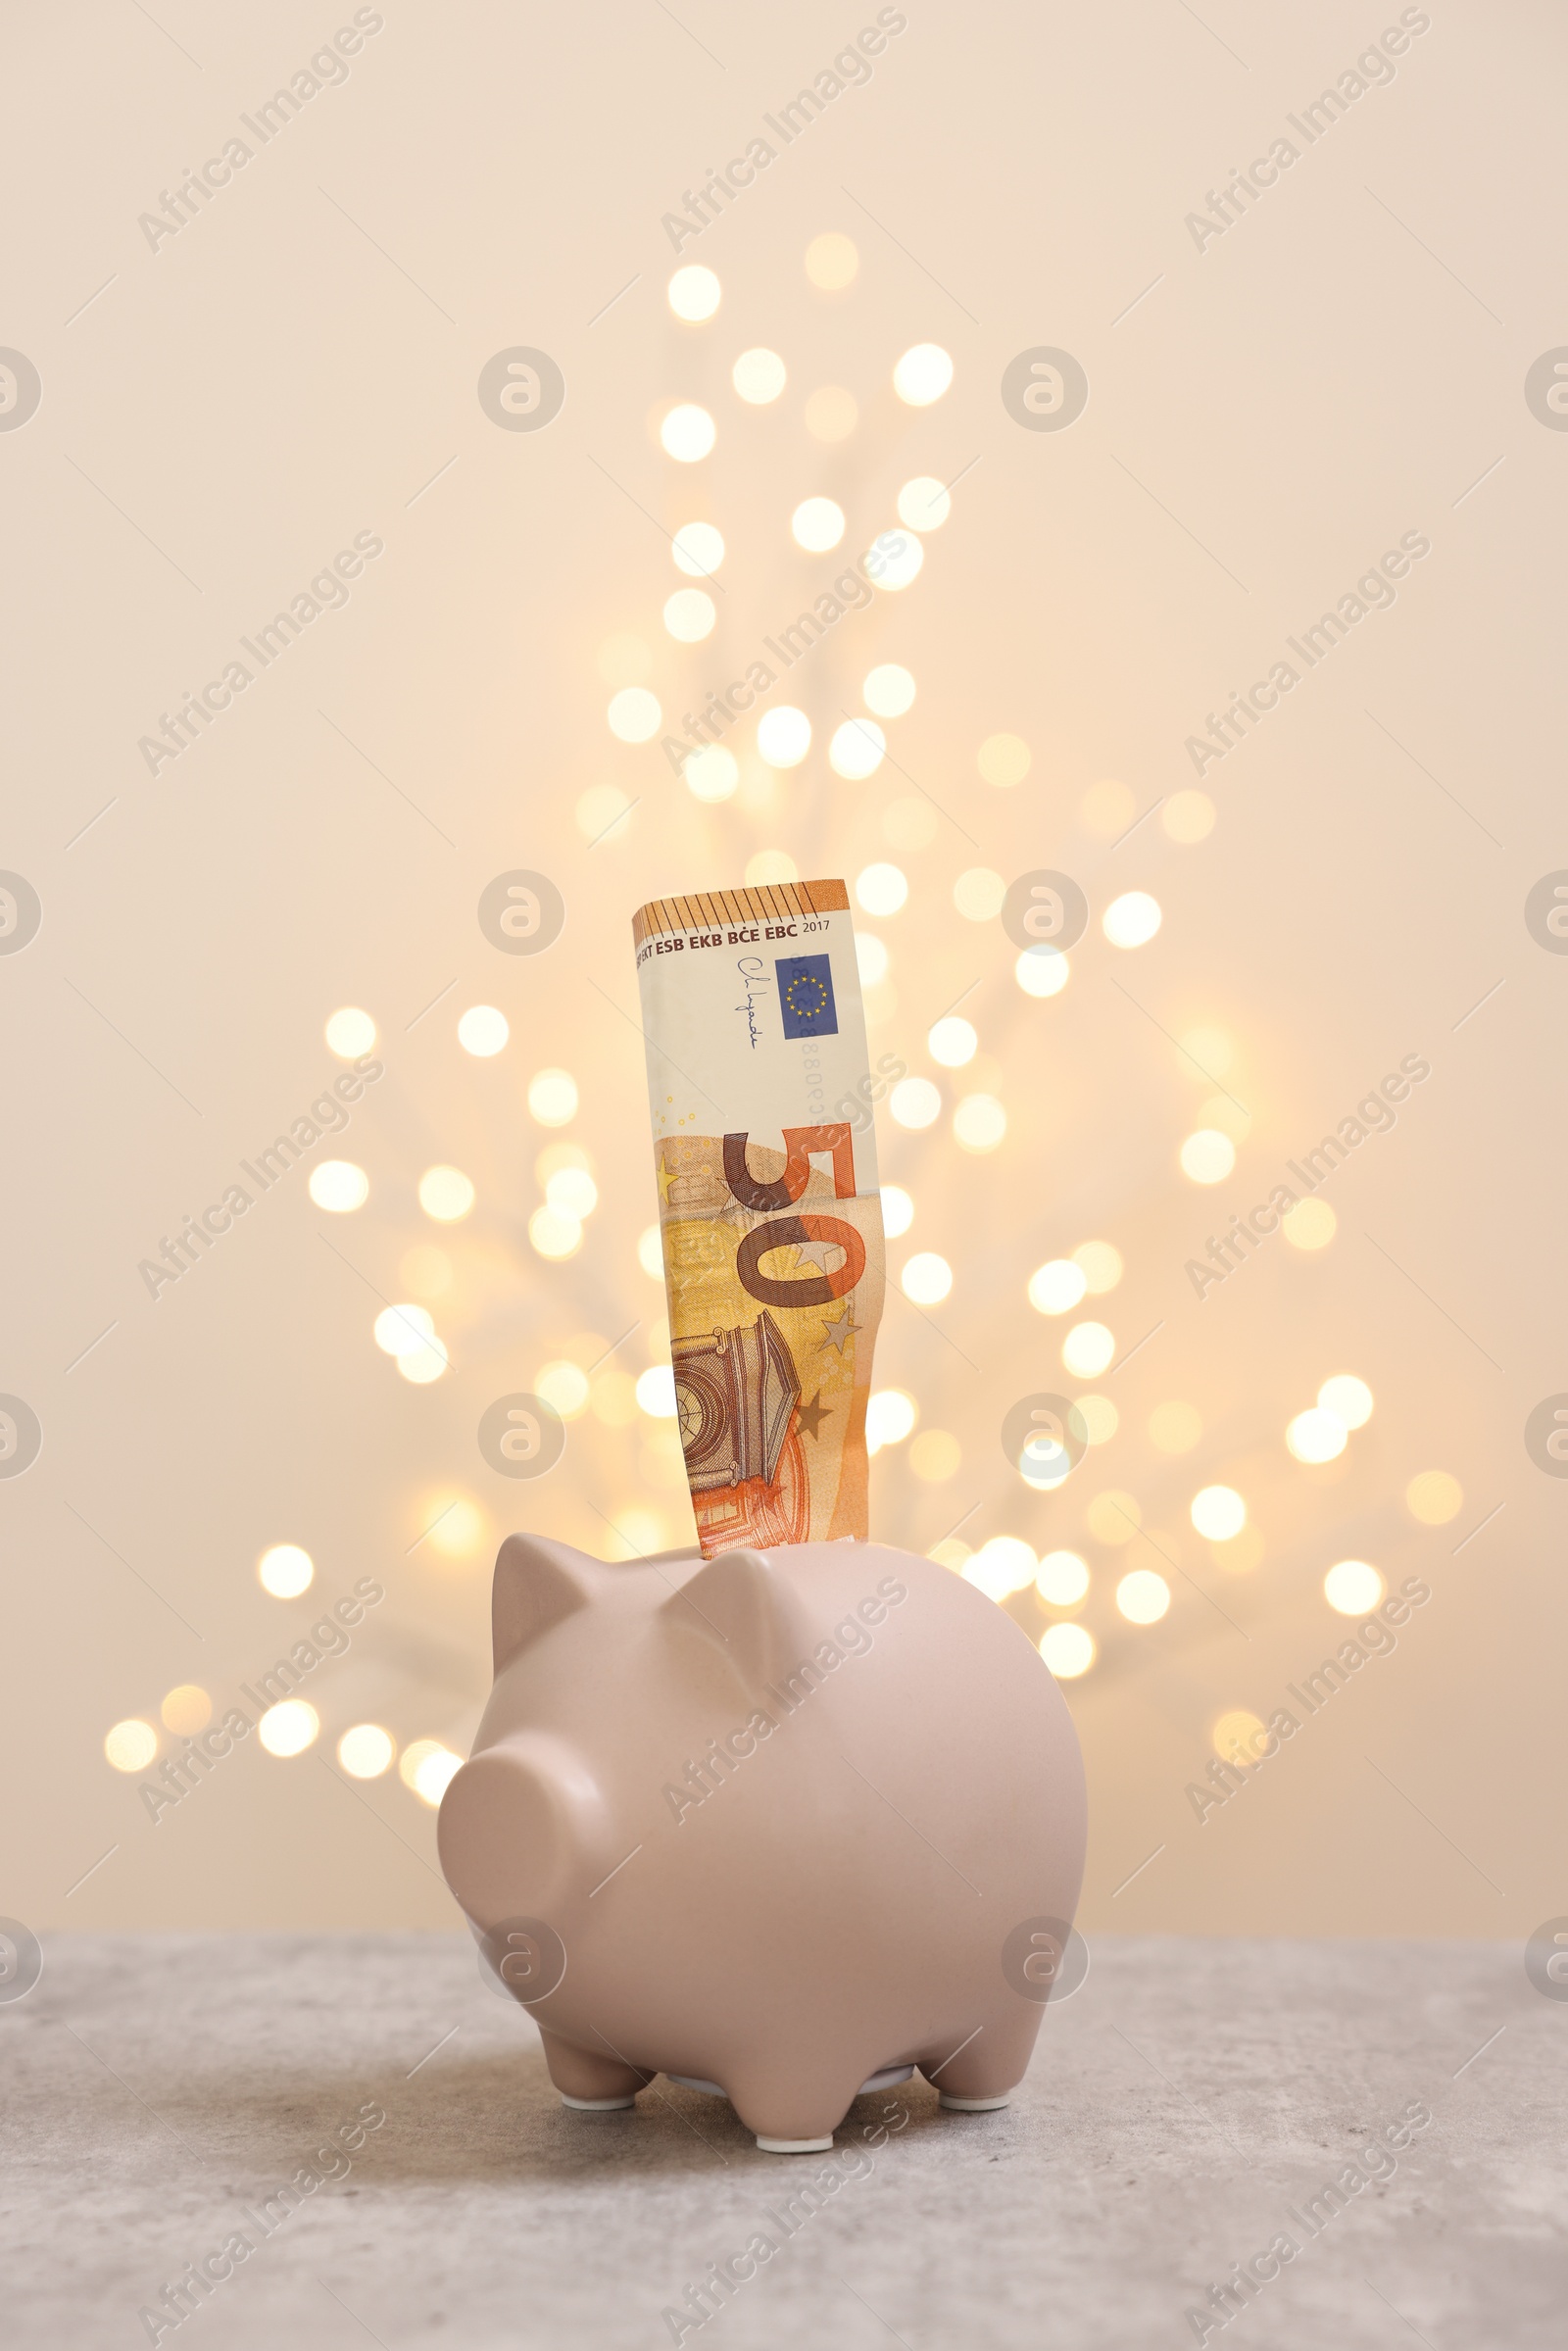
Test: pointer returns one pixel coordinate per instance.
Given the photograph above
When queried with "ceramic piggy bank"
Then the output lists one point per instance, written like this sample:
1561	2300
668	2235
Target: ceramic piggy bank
782	1824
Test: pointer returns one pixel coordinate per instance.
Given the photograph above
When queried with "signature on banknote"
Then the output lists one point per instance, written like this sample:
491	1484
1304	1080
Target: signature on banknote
751	968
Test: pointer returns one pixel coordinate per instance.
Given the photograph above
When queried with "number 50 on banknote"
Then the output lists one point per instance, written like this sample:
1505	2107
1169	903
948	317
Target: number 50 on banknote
760	1088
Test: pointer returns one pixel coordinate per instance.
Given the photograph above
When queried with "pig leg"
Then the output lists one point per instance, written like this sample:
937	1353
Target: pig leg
981	2073
790	2109
594	2084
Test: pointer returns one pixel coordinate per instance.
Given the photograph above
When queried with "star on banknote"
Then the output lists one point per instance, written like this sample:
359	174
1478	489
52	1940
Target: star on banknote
839	1331
811	1416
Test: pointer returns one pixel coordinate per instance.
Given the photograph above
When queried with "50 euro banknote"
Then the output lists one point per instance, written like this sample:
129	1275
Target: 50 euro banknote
770	1216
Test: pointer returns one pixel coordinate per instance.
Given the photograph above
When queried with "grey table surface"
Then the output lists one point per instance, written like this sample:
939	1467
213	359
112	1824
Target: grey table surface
1184	2109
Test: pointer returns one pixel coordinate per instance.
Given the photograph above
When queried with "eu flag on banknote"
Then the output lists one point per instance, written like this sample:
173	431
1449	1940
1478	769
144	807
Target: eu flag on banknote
806	995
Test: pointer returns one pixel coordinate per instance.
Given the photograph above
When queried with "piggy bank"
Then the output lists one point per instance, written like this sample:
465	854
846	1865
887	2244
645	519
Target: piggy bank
780	1823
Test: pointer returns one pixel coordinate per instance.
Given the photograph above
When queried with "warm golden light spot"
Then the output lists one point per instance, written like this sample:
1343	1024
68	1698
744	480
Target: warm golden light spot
1143	1596
699	550
1113	1517
1434	1498
832	261
923	374
553	1097
1106	810
1001	1567
130	1746
402	1330
634	715
366	1751
339	1186
1101	1418
895	563
687	433
554	1235
925	503
817	525
655	1391
1061	1579
612	1393
1188	817
1174	1428
604	811
926	1279
288	1729
784	736
1003	759
1349	1398
428	1768
642	1530
694	293
1218	1512
1315	1436
446	1194
979	1123
711	773
571	1192
1309	1225
935	1455
872	958
758	376
458	1527
1353	1588
857	749
898	1211
483	1031
890	1416
350	1033
1069	1650
1055	1287
186	1709
1238	1736
1100	1263
1042	970
1212	1049
563	1387
1087	1350
1207	1157
978	893
952	1041
915	1103
285	1571
888	689
689	615
770	866
1132	919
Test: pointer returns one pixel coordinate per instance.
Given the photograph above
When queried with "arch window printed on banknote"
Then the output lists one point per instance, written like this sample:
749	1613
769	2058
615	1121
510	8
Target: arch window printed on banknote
769	1210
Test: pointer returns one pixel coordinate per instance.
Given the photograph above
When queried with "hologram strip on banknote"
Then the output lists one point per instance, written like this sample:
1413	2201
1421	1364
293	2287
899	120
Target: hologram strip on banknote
769	1213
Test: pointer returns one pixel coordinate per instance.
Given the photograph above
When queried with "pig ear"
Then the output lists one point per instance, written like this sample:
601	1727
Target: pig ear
748	1612
537	1584
523	1830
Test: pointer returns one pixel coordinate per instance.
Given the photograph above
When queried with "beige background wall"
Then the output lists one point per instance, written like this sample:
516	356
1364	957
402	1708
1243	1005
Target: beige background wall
1267	416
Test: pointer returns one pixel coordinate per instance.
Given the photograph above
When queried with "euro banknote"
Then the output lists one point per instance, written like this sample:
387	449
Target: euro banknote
769	1213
